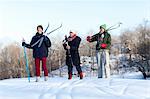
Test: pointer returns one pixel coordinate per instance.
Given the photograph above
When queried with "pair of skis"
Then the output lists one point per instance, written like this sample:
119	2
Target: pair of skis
41	40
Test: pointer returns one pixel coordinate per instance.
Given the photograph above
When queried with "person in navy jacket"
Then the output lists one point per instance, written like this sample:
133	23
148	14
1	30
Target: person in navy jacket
40	44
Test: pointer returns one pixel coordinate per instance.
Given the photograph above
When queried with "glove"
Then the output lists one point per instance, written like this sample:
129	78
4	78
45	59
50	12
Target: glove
88	38
45	38
103	45
23	43
64	44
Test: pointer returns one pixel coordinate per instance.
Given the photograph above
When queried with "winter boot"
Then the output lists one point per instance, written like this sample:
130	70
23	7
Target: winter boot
45	78
70	76
81	75
37	79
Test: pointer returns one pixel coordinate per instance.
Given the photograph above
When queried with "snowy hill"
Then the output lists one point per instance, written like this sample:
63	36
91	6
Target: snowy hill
62	88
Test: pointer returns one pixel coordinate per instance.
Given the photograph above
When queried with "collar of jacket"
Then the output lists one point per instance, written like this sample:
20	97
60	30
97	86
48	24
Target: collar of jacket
105	34
39	34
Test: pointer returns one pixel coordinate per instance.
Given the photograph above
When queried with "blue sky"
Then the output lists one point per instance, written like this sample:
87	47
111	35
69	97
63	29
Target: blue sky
19	18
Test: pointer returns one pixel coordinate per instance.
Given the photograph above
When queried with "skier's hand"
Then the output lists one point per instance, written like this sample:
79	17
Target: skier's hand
45	38
88	38
64	44
23	42
103	45
68	47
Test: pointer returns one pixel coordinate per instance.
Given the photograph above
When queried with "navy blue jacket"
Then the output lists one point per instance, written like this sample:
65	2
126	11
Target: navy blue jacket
42	51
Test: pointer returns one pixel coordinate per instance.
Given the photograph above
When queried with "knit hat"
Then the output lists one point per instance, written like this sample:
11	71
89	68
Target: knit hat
103	26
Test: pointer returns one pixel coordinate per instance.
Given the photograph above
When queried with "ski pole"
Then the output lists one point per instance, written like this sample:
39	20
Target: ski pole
46	28
54	29
115	26
27	66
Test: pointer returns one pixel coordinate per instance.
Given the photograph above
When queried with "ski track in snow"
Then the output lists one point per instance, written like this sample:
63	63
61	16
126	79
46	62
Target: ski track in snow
88	88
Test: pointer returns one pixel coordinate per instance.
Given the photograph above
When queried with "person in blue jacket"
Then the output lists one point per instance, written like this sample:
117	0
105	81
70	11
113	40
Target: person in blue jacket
40	44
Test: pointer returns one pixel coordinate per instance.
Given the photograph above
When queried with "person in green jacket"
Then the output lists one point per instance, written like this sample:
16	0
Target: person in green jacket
103	39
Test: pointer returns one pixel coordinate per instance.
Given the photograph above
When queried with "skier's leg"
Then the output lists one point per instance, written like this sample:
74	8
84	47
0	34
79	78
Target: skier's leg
37	67
78	67
68	63
70	71
45	68
107	67
98	57
103	63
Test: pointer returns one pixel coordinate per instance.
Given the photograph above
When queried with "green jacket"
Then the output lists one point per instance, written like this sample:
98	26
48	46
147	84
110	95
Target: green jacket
106	40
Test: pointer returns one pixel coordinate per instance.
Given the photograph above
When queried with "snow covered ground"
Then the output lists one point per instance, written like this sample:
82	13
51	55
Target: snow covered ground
88	88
